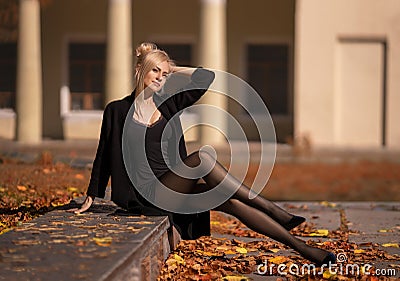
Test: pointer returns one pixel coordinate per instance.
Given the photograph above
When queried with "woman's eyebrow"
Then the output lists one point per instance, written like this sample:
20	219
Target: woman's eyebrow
159	69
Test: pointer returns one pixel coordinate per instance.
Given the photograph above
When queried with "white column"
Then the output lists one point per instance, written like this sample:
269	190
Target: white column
119	50
212	54
29	73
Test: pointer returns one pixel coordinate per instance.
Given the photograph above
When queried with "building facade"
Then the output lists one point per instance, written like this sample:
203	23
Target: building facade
325	70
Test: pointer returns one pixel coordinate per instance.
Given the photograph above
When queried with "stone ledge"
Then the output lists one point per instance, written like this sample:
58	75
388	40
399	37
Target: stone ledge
101	244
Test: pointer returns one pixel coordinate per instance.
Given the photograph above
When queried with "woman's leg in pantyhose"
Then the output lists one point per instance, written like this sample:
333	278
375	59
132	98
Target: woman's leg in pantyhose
262	223
219	175
254	213
254	219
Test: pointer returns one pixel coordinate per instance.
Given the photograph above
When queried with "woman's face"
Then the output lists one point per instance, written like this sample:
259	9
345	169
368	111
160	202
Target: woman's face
155	78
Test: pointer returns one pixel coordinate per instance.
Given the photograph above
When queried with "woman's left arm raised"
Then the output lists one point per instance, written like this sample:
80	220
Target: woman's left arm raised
200	81
184	69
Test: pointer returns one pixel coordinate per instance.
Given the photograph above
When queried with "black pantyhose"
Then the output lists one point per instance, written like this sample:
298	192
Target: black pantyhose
213	178
258	214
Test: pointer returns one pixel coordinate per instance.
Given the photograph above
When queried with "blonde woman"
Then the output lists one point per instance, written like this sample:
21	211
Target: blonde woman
151	116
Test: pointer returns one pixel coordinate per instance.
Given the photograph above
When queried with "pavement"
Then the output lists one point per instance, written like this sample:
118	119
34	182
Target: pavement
370	222
101	244
106	244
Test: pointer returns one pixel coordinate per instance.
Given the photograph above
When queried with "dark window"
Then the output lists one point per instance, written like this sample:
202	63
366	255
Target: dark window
8	74
86	75
268	75
181	54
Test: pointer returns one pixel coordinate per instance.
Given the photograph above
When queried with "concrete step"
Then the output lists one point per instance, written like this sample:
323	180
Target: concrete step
102	244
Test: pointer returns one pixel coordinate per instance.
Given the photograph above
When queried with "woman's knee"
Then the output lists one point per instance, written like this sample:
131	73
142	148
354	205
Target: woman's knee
201	159
207	155
203	155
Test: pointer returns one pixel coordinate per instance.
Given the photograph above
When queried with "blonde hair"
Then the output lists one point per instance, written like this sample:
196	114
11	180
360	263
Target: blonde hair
148	56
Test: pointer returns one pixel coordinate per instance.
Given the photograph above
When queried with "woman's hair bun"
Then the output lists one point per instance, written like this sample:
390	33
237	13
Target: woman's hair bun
145	48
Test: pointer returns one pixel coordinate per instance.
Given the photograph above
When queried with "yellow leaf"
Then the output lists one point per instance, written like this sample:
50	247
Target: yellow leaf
367	270
328	204
394	245
241	250
235	278
134	229
140	222
72	189
214	222
274	250
5	230
57	204
319	233
21	188
222	248
2	189
229	252
382	230
359	251
252	249
278	259
226	250
208	254
328	274
103	241
179	259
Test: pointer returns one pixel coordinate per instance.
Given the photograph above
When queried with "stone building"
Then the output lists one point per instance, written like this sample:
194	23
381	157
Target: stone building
326	70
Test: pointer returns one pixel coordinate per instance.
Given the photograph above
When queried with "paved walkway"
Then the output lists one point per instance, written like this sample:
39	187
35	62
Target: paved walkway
101	244
368	222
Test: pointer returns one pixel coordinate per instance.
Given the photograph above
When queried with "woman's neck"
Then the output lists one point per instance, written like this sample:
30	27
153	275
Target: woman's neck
147	93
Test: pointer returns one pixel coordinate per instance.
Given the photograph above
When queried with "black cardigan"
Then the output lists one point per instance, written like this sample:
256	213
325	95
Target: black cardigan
109	160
